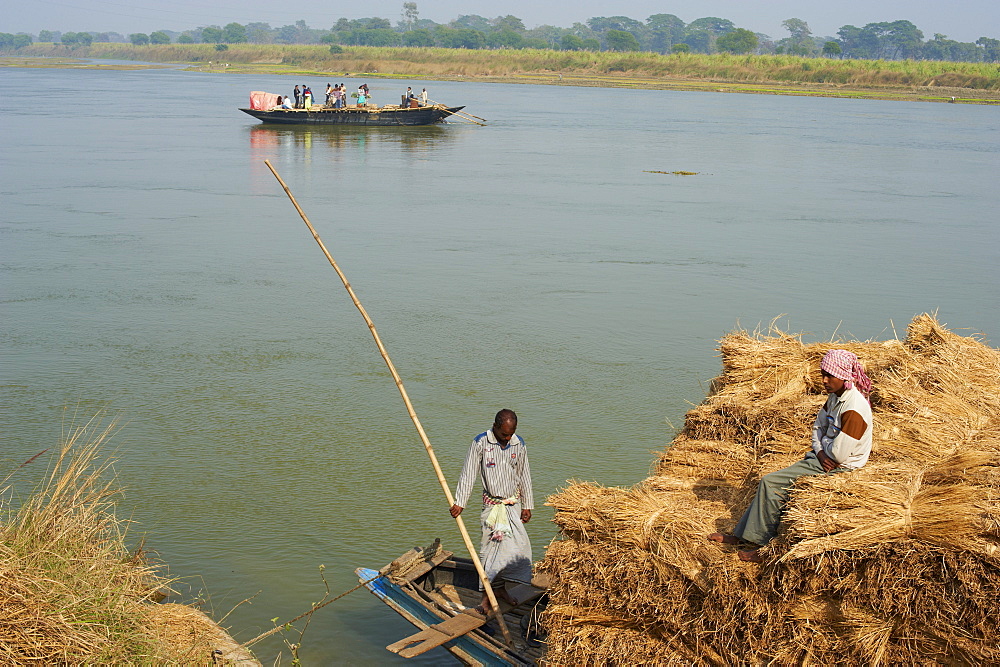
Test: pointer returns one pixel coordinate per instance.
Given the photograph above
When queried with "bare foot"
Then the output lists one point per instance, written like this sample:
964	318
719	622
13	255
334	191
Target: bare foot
724	539
750	556
501	594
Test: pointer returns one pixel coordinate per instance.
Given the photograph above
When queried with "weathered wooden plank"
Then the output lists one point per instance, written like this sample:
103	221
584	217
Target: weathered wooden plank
424	568
437	634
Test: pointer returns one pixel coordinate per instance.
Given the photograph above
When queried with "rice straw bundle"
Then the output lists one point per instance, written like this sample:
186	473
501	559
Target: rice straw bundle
896	563
604	643
884	503
661	524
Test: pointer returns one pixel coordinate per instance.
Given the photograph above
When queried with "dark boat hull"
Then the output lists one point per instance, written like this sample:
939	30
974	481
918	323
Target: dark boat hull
355	116
429	589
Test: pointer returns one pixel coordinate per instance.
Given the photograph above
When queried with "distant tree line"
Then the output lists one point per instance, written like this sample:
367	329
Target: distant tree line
18	41
660	33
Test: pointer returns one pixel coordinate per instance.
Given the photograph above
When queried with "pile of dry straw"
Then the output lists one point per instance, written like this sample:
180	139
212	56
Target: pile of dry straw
896	563
71	592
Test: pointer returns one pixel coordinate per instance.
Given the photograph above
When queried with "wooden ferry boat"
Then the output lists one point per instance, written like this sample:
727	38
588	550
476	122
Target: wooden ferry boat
438	592
367	115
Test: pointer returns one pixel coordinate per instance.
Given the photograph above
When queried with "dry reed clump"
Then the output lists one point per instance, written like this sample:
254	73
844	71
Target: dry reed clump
71	592
896	563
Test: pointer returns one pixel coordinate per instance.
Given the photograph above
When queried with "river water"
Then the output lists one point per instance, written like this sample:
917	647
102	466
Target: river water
152	266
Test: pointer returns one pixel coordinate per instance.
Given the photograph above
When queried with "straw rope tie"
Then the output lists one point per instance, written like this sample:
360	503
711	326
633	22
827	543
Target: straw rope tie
648	526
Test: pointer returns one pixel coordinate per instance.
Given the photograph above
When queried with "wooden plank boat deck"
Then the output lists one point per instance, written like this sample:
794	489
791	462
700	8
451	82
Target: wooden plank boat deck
437	589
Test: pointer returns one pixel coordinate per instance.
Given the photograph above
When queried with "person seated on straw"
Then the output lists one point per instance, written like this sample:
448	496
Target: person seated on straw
500	458
841	442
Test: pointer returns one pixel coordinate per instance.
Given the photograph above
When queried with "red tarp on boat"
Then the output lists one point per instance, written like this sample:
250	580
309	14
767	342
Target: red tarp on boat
262	101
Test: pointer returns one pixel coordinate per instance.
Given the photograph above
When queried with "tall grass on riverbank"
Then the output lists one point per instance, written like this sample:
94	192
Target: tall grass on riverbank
445	63
70	590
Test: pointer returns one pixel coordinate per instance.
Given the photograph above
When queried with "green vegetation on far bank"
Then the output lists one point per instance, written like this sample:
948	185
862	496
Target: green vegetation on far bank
784	74
659	33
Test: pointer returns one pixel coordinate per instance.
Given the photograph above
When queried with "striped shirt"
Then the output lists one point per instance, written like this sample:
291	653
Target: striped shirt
503	470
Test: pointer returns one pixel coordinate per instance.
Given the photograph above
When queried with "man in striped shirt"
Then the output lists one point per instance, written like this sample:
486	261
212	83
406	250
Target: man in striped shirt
500	459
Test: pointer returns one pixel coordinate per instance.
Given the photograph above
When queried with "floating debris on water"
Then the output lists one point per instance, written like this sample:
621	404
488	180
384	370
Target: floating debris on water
675	173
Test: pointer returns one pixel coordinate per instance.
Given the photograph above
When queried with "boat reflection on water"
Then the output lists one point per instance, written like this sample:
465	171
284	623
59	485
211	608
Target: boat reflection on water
419	138
325	145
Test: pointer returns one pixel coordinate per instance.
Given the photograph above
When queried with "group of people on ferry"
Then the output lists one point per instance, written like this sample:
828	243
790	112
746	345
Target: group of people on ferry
336	97
413	100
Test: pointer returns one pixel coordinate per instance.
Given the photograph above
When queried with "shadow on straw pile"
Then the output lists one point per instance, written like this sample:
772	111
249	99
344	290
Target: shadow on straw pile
896	563
70	590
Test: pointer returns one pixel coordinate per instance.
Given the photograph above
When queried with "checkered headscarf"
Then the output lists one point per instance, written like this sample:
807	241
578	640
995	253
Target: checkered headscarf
845	366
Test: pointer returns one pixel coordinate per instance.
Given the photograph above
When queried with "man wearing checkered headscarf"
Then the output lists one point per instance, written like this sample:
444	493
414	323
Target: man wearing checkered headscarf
841	442
844	365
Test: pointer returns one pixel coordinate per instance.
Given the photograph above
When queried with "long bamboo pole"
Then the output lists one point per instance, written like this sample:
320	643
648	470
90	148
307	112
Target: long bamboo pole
439	104
473	116
461	114
467	117
409	409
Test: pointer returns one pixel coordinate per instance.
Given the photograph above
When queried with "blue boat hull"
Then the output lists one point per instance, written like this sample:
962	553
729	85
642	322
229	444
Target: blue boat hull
463	648
432	587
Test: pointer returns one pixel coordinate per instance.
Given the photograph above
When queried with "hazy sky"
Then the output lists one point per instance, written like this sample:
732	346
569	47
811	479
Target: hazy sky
964	21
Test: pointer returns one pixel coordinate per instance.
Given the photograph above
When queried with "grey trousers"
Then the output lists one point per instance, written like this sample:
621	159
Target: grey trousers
760	522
